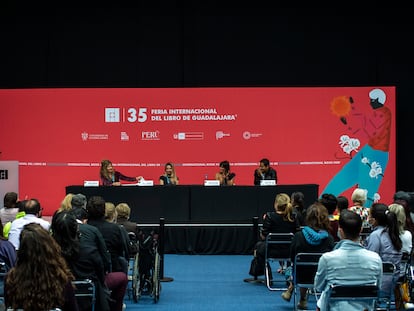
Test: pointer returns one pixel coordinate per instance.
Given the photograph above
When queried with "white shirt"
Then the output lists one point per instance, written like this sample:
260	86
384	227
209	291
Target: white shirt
18	224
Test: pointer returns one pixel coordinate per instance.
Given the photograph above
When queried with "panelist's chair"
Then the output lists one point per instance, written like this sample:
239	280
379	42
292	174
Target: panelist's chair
85	293
304	271
361	296
276	241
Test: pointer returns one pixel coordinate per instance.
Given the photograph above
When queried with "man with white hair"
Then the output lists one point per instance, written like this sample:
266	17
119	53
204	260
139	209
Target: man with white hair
366	168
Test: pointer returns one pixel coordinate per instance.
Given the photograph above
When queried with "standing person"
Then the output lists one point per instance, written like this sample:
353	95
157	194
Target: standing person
169	178
367	168
225	176
361	265
111	177
264	172
385	240
313	238
9	210
281	220
41	279
33	213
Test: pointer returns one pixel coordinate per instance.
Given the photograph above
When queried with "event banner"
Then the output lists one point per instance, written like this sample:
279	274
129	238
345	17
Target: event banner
337	137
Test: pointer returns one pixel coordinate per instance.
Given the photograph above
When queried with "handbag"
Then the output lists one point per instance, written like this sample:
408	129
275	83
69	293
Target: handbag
405	291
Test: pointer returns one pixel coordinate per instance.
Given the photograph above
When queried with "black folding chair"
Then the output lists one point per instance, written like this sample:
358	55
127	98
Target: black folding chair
360	296
304	271
276	250
85	293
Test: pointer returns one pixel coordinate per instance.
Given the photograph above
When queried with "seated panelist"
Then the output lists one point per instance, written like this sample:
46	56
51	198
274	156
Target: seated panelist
169	178
264	172
225	176
111	177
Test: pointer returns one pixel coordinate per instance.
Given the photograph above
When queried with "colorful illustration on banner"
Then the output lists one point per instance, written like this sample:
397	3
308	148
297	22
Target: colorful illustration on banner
367	165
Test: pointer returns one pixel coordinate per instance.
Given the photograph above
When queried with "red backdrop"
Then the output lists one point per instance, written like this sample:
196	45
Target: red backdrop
59	136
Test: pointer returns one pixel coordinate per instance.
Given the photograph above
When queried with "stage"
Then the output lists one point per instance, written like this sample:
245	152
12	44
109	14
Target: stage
200	219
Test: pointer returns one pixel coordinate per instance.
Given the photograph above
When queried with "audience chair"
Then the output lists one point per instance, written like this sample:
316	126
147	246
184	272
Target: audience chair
85	293
304	271
385	298
274	241
357	297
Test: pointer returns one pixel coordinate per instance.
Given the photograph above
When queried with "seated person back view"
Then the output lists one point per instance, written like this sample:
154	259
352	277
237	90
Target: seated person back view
33	213
124	211
281	220
349	263
9	210
87	257
41	279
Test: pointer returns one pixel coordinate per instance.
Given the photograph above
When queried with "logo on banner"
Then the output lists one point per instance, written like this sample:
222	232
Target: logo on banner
86	136
221	134
124	136
189	136
247	135
4	174
150	135
112	115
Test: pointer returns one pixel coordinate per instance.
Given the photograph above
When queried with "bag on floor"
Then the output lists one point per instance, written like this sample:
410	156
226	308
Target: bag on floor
405	291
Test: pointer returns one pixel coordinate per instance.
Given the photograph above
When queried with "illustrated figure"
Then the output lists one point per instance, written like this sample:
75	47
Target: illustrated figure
366	168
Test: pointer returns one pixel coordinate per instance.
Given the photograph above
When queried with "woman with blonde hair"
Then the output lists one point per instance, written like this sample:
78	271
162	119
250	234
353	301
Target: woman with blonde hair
66	204
358	198
281	220
169	178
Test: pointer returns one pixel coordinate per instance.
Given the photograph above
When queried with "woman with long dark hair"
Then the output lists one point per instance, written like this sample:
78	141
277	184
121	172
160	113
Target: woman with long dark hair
385	240
41	279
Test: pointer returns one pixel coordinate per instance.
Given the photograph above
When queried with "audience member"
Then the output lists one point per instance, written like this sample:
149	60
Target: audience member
33	213
360	267
66	203
405	199
7	251
111	232
405	235
298	205
78	201
281	220
385	240
225	175
124	212
331	203
87	257
358	198
6	227
343	203
169	178
110	212
313	238
264	172
111	177
41	279
9	210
